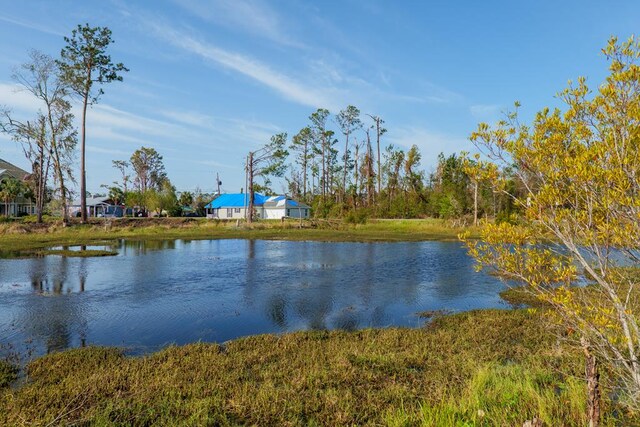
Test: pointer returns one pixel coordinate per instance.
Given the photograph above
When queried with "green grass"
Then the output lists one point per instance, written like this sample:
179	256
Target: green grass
497	361
26	235
521	296
504	395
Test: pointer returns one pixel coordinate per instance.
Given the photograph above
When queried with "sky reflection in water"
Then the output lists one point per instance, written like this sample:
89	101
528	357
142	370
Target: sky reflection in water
159	292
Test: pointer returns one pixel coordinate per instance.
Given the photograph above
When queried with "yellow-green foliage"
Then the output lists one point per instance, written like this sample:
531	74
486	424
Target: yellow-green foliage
493	360
578	175
505	395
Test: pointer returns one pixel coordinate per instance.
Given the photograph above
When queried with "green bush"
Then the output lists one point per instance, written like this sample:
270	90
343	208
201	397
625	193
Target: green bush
358	216
506	216
8	373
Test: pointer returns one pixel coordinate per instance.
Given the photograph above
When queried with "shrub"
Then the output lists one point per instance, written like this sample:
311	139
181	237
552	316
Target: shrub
8	373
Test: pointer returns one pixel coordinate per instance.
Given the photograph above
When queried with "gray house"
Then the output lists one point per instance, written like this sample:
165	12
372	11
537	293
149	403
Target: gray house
101	207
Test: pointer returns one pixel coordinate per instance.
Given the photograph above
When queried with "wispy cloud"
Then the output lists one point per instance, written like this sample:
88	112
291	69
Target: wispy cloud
18	99
434	93
431	143
104	115
102	150
285	85
485	111
225	129
215	164
250	16
30	25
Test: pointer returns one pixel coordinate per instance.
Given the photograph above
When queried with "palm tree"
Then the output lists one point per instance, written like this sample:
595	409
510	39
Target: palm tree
10	188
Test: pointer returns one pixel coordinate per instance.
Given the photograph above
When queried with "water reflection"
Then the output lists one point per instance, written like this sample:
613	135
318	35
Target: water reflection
159	292
141	247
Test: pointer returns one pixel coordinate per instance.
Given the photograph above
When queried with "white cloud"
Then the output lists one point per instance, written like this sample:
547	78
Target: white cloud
112	118
485	112
224	130
30	25
431	143
110	134
290	88
215	164
18	99
251	16
102	150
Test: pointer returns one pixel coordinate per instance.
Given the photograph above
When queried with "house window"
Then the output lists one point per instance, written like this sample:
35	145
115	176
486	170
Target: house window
237	210
229	213
288	212
306	212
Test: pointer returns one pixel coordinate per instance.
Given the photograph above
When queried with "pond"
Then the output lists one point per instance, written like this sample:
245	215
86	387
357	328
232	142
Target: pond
155	293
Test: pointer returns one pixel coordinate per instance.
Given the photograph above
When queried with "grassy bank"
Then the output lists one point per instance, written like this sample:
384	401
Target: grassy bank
21	235
490	367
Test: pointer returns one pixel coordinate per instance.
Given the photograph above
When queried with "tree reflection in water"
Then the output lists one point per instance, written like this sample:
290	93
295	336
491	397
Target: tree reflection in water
157	292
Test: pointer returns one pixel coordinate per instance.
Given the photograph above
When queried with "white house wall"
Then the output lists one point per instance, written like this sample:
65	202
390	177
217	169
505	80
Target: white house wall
261	213
236	213
276	213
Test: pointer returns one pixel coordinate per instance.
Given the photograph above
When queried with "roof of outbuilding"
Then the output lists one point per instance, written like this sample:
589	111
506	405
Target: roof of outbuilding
93	201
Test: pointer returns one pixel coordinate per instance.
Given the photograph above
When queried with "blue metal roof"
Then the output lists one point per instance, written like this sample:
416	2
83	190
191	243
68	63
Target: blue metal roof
240	200
236	200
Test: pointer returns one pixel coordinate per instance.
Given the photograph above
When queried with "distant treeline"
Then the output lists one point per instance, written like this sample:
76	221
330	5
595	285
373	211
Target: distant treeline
349	171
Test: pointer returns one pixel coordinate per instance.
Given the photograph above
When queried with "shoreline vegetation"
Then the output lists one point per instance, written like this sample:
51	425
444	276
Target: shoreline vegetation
26	235
484	367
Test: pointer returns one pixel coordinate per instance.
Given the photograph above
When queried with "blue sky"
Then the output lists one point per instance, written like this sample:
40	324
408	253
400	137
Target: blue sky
212	79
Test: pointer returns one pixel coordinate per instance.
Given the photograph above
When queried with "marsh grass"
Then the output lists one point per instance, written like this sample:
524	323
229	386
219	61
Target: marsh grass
497	361
26	235
520	297
504	395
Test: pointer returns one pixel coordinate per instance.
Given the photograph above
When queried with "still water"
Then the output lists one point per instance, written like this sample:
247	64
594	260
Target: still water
157	293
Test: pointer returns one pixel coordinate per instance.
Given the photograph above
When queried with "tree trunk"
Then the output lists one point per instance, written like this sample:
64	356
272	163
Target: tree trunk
41	184
355	180
250	188
83	175
593	385
58	166
344	174
378	142
304	173
323	180
475	203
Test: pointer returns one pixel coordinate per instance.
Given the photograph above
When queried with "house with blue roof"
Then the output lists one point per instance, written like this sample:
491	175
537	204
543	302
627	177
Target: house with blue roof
234	206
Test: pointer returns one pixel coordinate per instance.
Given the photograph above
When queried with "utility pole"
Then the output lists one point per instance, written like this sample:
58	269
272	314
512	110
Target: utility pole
250	186
218	182
246	180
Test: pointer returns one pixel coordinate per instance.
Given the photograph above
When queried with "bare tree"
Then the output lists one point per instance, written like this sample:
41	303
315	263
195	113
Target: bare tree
349	121
302	143
378	122
321	136
52	131
264	162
